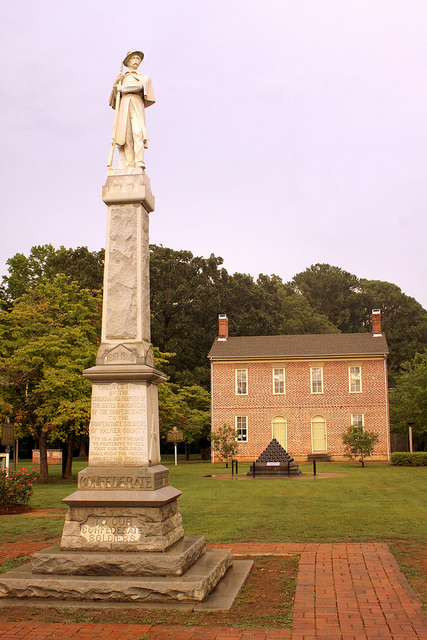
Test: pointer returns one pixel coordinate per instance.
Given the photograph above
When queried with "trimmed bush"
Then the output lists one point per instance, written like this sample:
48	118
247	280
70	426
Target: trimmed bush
16	488
406	459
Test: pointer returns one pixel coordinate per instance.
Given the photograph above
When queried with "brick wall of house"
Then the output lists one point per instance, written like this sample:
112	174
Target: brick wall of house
298	405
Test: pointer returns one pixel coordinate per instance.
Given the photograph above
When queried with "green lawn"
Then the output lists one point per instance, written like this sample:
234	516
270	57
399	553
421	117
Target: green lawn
377	503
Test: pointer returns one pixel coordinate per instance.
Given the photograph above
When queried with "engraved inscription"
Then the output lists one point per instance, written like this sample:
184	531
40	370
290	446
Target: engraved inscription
143	482
120	355
118	428
117	482
110	529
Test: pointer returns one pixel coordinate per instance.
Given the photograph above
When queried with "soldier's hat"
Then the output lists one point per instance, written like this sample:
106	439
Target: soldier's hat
129	54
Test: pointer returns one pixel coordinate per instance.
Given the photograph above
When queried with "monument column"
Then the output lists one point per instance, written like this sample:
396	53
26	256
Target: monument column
124	500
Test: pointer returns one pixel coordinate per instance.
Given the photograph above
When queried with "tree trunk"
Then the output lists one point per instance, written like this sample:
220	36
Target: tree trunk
187	451
68	466
44	473
83	448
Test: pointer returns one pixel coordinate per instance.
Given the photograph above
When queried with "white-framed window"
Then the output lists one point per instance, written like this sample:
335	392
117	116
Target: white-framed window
357	420
316	379
278	381
355	379
241	428
241	382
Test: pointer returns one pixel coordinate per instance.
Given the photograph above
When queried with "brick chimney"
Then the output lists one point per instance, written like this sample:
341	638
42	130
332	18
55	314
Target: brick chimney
376	322
222	327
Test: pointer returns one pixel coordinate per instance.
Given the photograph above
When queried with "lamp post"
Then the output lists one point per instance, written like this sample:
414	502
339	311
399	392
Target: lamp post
410	424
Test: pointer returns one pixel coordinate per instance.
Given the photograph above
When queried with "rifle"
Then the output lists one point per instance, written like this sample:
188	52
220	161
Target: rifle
116	118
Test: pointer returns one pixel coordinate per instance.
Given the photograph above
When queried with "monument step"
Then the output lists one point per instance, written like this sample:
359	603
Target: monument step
193	586
173	562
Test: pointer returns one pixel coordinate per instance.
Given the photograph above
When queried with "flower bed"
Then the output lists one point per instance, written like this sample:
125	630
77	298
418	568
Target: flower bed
16	487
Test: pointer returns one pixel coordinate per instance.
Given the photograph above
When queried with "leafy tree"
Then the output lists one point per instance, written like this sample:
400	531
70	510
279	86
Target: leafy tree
25	272
404	321
184	293
187	408
46	340
408	400
347	302
225	443
298	317
45	262
333	292
188	293
359	443
81	265
253	307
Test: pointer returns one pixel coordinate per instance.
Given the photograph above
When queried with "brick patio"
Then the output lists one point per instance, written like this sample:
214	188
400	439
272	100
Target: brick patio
345	591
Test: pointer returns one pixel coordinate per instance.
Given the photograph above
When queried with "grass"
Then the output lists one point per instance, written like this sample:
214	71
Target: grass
377	503
13	563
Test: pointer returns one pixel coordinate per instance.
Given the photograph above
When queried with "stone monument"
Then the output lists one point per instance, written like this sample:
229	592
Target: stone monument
123	538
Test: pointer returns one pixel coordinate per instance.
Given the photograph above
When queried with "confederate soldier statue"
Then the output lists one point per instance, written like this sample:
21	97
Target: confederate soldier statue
131	93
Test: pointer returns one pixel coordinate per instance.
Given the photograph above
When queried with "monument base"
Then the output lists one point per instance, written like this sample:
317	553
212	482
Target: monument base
122	528
173	562
122	509
194	586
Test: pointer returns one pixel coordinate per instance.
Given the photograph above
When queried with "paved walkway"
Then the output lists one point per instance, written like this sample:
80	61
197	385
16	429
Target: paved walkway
344	592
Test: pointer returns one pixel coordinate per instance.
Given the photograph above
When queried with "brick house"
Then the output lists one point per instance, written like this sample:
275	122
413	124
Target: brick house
303	390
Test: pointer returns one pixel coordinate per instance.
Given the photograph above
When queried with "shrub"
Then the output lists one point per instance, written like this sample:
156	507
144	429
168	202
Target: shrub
406	459
16	488
225	443
359	443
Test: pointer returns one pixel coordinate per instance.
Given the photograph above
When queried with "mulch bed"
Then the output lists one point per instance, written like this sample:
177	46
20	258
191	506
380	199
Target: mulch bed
16	510
266	600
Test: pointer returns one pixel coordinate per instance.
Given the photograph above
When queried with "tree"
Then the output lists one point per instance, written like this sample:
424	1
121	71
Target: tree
333	292
408	400
187	408
225	443
184	292
81	265
44	262
404	321
189	292
25	272
48	337
298	317
359	443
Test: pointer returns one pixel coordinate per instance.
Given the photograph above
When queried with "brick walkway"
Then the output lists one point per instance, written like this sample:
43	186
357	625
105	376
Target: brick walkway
344	592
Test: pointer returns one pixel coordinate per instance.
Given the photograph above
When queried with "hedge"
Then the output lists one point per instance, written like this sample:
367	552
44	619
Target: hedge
406	459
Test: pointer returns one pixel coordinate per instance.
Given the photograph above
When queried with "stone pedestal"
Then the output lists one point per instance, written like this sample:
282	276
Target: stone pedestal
124	501
123	538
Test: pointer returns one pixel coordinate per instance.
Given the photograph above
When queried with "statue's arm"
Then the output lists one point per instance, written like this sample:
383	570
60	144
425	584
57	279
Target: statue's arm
132	88
113	94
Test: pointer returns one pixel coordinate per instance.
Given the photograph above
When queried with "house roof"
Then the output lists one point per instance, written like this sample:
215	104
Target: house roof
296	346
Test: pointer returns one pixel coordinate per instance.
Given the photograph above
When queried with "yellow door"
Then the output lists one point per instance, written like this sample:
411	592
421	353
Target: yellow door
279	430
318	428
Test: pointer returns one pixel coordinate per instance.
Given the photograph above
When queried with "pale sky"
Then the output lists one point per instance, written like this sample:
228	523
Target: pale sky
285	132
